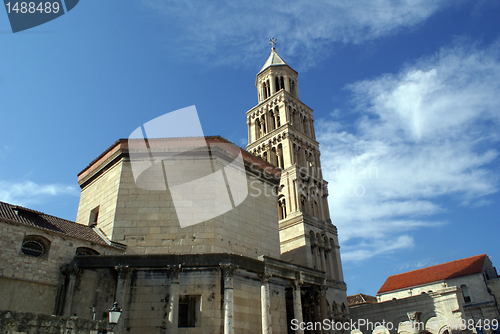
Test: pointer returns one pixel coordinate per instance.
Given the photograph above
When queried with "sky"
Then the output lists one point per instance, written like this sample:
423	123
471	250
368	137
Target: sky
406	100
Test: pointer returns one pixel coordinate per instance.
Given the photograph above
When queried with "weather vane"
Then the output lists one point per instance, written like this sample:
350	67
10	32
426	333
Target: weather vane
273	42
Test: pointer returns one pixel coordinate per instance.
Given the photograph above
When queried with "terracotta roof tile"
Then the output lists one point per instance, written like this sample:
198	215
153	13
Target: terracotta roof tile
29	217
440	272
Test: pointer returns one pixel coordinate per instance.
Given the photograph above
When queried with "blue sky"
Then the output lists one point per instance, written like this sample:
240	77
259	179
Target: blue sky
409	89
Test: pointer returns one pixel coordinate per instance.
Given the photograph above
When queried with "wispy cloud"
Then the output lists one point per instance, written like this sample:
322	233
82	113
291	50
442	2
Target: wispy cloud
27	192
205	29
367	250
427	133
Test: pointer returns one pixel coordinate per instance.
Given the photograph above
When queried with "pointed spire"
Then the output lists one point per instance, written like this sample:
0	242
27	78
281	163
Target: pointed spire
273	60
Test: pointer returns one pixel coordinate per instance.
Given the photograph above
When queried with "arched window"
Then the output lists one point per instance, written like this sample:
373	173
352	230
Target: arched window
277	115
86	251
280	156
282	207
35	245
465	293
272	126
258	128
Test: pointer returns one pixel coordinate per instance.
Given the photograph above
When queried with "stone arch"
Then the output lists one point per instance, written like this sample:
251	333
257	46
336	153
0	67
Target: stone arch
281	162
86	251
380	330
272	120
281	207
277	116
36	246
435	325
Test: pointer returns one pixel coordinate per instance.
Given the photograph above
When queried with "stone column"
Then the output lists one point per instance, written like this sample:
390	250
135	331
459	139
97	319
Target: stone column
273	85
120	284
70	272
120	293
249	124
319	196
297	304
227	272
287	83
265	298
321	251
314	247
323	306
173	301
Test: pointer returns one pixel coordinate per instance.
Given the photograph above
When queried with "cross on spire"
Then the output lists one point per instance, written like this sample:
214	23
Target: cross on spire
273	42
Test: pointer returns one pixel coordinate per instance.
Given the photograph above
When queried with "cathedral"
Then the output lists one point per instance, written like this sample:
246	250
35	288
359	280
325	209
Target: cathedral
271	259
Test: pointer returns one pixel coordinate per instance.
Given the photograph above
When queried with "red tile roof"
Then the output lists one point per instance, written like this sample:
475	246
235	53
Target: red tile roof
25	216
440	272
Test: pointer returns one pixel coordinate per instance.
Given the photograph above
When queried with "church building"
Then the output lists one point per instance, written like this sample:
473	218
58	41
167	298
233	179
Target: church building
253	269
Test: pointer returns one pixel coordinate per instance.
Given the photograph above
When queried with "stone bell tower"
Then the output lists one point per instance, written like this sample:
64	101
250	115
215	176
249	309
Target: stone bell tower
281	131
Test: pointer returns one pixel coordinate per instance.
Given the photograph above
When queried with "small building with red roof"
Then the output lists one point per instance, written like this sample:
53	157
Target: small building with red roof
438	298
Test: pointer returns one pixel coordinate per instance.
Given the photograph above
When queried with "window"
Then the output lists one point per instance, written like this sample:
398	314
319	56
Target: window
33	248
94	215
465	293
188	310
36	246
86	251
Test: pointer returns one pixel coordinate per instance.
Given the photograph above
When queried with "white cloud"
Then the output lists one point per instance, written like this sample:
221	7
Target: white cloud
207	28
427	133
372	248
27	192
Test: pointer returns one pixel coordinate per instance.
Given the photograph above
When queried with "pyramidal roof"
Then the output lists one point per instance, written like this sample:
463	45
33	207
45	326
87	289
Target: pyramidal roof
273	60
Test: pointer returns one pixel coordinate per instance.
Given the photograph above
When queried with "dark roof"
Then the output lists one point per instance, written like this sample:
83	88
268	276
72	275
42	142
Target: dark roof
25	216
361	299
440	272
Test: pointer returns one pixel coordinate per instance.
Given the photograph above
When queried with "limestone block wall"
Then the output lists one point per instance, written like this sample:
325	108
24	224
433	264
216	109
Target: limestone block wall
146	221
445	307
24	323
20	295
278	308
494	285
26	279
102	192
94	294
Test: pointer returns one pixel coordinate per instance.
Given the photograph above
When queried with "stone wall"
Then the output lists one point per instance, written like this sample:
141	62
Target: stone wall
146	220
444	309
24	323
30	283
101	192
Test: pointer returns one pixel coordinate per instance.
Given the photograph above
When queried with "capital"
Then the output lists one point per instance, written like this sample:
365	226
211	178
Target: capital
228	268
122	271
174	270
414	316
264	277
